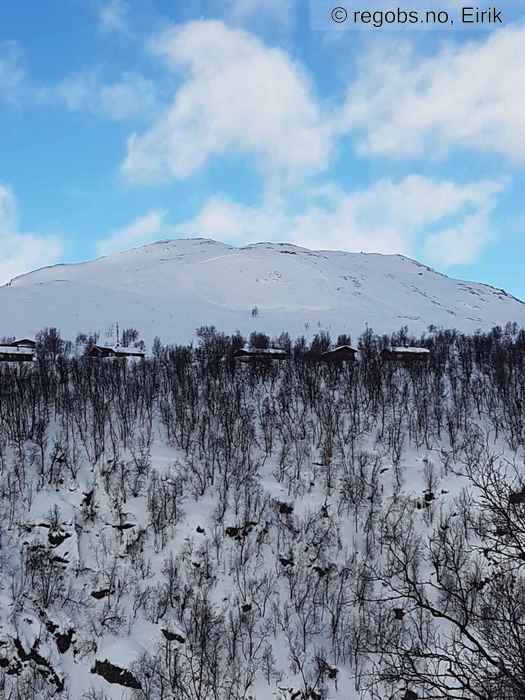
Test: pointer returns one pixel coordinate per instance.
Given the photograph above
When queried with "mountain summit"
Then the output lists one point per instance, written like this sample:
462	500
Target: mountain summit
170	288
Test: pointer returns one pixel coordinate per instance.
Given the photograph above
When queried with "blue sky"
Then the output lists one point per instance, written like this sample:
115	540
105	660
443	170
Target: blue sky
122	123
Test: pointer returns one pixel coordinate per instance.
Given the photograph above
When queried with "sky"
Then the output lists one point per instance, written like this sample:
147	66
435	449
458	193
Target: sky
127	122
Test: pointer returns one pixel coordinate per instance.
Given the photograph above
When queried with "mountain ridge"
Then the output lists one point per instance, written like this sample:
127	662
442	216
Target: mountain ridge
169	288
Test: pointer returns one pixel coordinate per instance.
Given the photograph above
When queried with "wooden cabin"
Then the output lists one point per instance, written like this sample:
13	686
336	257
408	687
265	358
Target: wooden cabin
258	354
103	351
404	354
23	343
9	353
99	351
342	353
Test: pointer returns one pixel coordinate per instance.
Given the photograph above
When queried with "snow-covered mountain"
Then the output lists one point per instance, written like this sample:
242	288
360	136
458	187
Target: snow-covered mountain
188	529
170	288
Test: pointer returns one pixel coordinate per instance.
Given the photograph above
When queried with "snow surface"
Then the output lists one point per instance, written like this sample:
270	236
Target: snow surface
170	288
411	350
9	349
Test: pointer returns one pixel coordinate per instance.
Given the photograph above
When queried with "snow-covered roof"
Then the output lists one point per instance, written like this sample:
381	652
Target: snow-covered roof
422	351
28	342
270	351
264	351
118	350
10	350
343	347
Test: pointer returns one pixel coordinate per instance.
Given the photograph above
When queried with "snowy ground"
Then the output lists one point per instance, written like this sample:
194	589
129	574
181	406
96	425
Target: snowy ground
269	490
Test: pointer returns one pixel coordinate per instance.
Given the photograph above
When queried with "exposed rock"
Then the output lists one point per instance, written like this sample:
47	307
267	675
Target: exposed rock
64	639
102	593
56	536
286	562
173	636
114	674
12	667
42	664
284	508
124	526
399	613
239	532
327	669
410	695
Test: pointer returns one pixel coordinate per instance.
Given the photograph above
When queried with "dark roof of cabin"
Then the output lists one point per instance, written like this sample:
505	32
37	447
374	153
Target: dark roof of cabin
340	348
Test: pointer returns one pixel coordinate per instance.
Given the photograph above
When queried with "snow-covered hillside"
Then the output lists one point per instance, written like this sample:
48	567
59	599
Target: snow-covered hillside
172	287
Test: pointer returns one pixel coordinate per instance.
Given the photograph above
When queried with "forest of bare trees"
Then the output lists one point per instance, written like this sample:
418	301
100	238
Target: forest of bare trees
294	530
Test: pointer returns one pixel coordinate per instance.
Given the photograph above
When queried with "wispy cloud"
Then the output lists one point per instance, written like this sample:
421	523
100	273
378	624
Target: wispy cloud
146	229
130	97
113	16
12	71
389	216
469	95
238	96
21	252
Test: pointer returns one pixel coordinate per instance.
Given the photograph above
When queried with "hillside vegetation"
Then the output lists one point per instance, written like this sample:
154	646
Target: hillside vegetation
187	527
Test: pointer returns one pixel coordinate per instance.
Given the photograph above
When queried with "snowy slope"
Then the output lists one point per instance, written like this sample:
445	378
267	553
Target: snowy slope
170	288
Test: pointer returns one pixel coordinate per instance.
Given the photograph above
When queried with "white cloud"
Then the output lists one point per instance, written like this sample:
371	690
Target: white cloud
131	97
8	211
113	16
222	219
146	229
237	94
470	95
393	217
21	252
387	217
460	245
12	71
